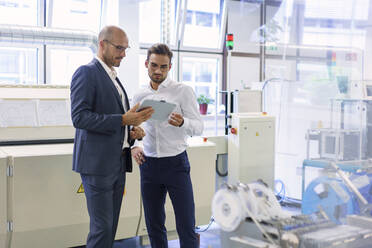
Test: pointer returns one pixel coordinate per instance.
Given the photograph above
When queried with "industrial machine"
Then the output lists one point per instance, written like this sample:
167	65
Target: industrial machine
42	203
349	136
251	148
250	216
337	174
343	189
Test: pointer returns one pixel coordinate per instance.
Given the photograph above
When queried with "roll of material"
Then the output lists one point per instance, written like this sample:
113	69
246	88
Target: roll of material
231	205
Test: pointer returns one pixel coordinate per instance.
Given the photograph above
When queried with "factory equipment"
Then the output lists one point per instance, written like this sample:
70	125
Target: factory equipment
250	216
337	194
246	101
3	201
349	136
251	148
342	183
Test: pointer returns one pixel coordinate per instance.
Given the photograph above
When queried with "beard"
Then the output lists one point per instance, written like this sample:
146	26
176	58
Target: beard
117	61
156	78
112	61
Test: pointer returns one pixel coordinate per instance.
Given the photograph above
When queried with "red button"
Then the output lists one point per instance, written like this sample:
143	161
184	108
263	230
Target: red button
234	130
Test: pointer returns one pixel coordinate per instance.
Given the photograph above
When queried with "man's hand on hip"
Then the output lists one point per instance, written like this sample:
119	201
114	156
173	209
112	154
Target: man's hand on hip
137	154
134	118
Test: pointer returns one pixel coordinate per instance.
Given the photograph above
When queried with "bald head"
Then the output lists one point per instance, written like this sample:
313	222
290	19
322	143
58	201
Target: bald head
113	42
108	32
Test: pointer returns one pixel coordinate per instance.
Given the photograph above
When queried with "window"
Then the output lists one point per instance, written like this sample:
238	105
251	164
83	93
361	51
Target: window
203	23
335	23
202	73
336	37
18	65
76	14
21	12
337	9
25	63
189	17
204	19
63	64
149	21
156	21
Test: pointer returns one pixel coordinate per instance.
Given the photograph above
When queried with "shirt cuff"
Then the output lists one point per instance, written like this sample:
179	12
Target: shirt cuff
186	123
137	143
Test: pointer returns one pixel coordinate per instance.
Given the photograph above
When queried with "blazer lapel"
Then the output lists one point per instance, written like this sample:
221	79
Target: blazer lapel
126	106
109	81
125	94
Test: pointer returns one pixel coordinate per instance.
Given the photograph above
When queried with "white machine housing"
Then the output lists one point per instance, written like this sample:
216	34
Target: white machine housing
247	101
251	149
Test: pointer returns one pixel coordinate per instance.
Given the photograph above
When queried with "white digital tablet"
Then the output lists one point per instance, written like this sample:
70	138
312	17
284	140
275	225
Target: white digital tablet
162	109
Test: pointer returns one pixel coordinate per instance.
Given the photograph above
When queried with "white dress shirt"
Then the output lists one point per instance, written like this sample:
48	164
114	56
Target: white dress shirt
163	139
113	74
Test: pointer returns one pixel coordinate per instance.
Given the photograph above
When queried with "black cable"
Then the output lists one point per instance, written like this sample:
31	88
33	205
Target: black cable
220	173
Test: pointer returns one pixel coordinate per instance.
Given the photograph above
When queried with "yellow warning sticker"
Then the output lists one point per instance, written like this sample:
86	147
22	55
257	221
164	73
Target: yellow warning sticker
257	134
81	189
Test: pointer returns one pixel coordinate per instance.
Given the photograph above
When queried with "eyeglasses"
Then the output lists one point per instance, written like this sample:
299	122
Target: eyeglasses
119	48
163	68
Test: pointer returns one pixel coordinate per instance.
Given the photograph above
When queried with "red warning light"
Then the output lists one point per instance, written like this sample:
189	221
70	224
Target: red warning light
229	41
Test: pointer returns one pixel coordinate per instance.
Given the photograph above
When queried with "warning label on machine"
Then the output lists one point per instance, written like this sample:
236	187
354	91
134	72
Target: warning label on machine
81	189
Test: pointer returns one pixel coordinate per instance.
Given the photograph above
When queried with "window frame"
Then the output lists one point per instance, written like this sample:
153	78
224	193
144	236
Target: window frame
203	49
49	58
219	75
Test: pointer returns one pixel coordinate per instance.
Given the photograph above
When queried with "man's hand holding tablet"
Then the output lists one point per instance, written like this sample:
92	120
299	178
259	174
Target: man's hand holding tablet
162	109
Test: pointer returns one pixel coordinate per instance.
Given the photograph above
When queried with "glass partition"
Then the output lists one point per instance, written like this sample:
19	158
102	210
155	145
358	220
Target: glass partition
318	123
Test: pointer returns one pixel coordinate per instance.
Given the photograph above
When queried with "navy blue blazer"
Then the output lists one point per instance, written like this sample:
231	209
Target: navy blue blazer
96	112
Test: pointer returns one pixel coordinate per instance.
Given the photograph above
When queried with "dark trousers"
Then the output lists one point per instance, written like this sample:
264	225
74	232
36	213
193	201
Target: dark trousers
104	195
172	175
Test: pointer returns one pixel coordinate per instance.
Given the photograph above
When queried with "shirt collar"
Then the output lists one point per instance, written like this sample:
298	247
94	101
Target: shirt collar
164	84
111	72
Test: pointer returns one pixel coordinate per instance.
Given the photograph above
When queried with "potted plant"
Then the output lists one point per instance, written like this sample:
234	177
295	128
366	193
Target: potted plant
203	103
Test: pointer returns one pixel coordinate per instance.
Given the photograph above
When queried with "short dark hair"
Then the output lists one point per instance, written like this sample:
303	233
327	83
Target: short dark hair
160	48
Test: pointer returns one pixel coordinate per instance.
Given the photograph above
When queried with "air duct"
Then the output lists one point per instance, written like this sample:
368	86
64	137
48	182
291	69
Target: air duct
48	36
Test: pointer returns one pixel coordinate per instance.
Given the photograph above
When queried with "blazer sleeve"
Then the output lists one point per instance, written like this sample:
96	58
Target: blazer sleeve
83	93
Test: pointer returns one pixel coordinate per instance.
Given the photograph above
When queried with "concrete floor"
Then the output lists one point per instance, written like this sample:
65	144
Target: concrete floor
208	239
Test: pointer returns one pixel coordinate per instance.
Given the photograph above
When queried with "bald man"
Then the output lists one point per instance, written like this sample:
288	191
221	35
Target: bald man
106	128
